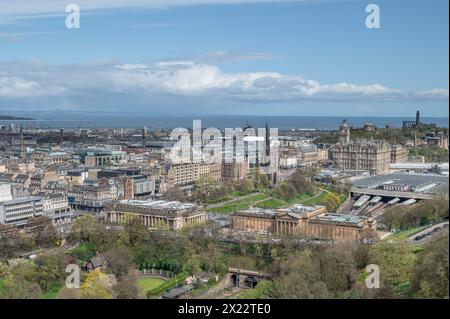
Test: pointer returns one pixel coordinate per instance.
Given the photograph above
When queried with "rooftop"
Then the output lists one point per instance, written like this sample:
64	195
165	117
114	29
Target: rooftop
157	204
339	218
22	200
416	181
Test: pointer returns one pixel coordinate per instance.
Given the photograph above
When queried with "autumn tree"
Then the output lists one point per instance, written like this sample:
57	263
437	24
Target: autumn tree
96	286
50	269
20	289
135	230
118	260
126	289
175	194
42	231
13	241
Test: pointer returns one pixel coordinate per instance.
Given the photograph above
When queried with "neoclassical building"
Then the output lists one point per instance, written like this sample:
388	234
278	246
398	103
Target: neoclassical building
371	155
155	213
304	222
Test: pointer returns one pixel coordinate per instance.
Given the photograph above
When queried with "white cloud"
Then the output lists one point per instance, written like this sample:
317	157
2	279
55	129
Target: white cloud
434	94
16	87
185	78
44	8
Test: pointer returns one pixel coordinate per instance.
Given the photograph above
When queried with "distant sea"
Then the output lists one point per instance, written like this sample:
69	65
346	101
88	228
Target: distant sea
152	122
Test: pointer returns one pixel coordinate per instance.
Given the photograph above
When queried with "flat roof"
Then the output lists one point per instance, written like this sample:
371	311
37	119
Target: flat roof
21	200
339	218
157	204
409	179
299	209
258	211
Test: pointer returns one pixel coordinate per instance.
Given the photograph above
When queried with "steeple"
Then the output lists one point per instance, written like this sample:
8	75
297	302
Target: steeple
344	133
61	137
144	135
22	144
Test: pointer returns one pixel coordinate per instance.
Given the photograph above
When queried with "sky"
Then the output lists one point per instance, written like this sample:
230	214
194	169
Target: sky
267	57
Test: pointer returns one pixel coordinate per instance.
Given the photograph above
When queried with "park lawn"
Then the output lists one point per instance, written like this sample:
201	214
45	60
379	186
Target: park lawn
239	205
229	208
405	234
298	198
277	202
147	283
272	203
219	199
317	200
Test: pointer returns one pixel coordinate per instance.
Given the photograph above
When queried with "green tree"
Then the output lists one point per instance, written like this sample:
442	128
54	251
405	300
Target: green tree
338	268
84	229
20	289
299	278
396	261
136	231
50	270
430	276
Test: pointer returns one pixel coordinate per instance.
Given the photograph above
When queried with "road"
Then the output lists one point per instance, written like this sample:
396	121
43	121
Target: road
425	235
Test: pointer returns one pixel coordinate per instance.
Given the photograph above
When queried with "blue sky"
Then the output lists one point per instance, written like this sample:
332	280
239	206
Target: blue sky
304	57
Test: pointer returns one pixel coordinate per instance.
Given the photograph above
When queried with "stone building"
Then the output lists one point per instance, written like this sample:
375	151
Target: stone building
235	171
399	154
412	124
89	196
17	211
439	139
309	156
155	213
371	155
189	173
98	157
305	222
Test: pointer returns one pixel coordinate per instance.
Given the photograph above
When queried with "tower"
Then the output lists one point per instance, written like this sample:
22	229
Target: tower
61	137
267	139
22	144
417	118
344	133
144	135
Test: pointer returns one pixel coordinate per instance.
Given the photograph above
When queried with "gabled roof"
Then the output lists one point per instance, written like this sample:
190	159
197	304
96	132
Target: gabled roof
97	261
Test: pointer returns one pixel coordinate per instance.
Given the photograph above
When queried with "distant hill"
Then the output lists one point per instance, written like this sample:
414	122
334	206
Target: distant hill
9	117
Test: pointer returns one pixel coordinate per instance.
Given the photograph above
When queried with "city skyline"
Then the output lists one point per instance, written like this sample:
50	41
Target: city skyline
265	57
